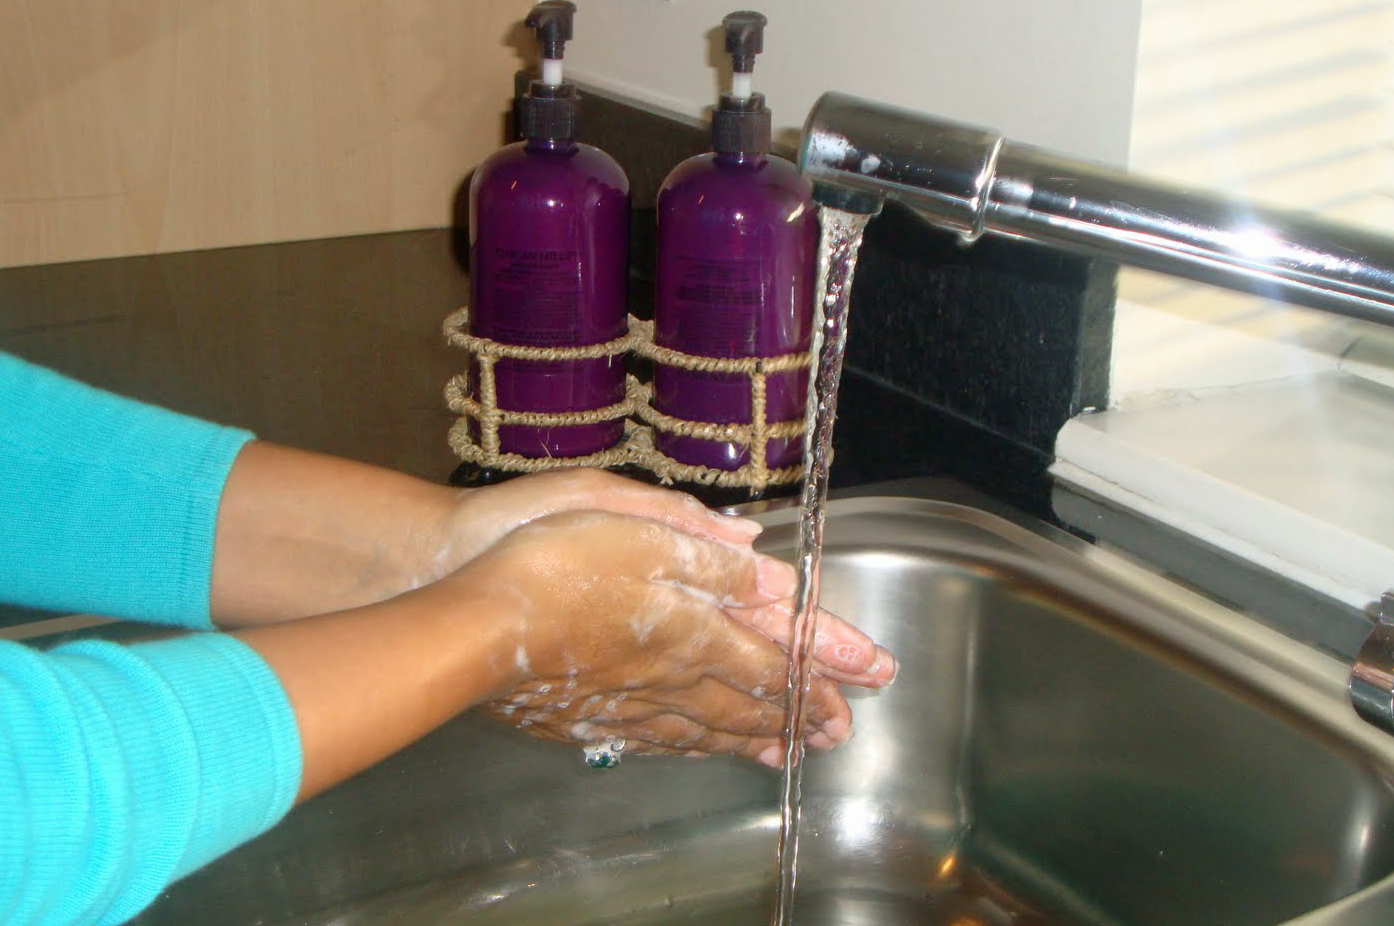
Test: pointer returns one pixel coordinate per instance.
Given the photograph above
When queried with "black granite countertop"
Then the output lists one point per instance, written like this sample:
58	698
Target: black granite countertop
330	345
335	345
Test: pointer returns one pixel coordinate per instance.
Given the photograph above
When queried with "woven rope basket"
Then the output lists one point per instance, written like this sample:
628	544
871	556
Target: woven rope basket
480	414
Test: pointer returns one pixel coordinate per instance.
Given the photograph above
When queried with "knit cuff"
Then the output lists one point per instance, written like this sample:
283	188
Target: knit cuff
209	750
109	505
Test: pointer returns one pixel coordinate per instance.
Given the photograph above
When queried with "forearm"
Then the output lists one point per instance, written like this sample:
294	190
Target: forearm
301	534
367	682
164	755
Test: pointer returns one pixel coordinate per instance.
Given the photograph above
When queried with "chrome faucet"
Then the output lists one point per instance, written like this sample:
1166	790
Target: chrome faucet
975	182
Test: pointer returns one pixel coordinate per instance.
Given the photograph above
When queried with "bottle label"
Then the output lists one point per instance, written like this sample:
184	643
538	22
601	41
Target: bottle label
717	301
536	296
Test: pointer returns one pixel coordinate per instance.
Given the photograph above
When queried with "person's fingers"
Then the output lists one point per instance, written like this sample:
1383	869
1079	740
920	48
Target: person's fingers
707	642
768	751
845	652
839	647
734	576
770	754
676	509
669	731
884	669
708	704
615	708
714	705
842	652
558	491
661	734
829	709
719	707
749	662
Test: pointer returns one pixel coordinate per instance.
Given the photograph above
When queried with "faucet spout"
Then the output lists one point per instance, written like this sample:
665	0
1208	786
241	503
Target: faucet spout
973	182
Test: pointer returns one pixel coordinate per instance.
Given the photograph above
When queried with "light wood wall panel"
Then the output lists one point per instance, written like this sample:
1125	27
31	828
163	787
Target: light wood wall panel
141	126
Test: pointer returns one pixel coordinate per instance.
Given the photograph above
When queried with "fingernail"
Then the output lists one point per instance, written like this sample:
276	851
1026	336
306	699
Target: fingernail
774	579
884	662
773	757
821	740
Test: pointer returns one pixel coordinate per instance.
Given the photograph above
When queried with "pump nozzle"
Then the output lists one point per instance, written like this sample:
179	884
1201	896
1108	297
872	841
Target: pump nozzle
551	20
741	123
745	38
549	109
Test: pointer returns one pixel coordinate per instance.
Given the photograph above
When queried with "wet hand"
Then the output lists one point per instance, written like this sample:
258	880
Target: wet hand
628	627
482	517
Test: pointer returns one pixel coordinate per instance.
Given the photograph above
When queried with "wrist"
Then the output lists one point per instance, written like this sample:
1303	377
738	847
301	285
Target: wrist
483	632
367	681
428	551
301	533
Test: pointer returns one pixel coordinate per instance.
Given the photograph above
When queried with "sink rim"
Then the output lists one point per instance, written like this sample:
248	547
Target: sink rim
1302	683
1178	615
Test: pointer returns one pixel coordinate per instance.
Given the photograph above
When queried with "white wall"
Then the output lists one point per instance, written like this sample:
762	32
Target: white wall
1057	73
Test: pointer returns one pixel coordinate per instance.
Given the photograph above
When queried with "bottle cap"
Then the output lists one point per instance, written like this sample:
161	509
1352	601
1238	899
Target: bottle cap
741	126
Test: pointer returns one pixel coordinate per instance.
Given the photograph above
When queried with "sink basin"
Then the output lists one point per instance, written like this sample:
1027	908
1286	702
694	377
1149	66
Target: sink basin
1072	740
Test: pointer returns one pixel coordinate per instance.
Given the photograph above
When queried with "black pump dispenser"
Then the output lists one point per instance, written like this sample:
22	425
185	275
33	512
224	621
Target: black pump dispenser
741	124
551	21
550	110
745	38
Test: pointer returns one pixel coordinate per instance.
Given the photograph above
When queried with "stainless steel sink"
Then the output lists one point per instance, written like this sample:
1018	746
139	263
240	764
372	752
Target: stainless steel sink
1072	740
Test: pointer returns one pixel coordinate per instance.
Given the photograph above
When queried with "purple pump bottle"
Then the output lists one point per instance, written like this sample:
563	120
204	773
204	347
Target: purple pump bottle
549	259
737	245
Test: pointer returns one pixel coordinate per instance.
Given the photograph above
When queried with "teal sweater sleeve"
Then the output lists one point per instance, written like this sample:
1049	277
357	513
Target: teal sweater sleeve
122	768
107	505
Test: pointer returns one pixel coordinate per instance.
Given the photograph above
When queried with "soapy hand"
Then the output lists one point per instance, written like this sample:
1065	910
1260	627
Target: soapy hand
301	534
481	517
484	516
622	626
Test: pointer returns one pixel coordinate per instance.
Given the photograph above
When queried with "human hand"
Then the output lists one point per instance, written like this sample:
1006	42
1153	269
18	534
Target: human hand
336	574
624	627
481	517
301	534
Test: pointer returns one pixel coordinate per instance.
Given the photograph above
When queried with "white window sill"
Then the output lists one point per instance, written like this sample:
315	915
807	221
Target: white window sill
1276	449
